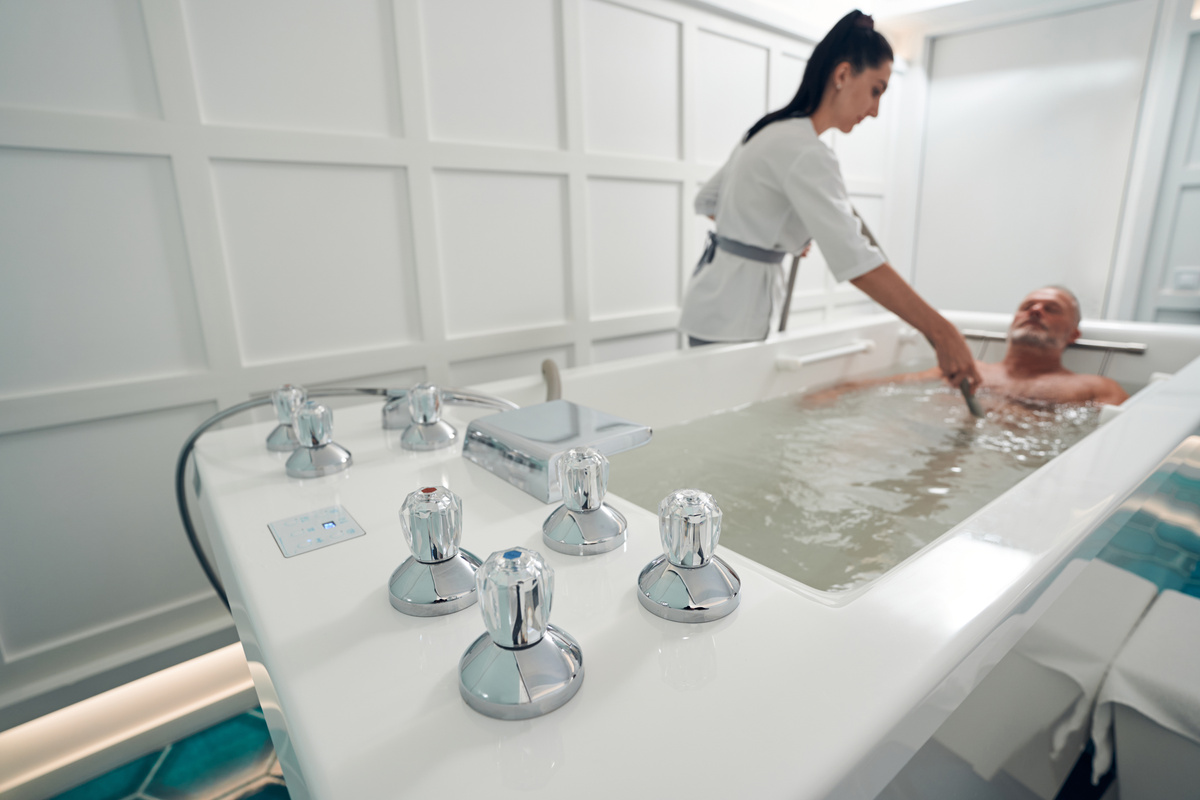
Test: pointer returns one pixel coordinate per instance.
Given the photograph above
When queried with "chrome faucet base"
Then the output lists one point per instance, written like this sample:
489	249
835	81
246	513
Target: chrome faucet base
584	533
689	594
314	462
524	682
428	435
282	439
432	589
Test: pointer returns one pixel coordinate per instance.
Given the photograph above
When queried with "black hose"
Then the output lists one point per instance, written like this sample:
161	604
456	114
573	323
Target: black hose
181	470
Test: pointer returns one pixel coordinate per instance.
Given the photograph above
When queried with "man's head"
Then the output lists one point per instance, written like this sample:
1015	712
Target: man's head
1047	317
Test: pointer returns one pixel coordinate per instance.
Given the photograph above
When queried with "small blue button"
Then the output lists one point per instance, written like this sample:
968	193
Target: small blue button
513	554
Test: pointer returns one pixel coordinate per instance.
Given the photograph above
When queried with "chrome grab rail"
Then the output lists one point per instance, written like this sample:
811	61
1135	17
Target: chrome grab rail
793	363
1137	348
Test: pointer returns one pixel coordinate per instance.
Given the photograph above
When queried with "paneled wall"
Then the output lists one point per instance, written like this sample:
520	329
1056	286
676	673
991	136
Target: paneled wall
202	199
1029	137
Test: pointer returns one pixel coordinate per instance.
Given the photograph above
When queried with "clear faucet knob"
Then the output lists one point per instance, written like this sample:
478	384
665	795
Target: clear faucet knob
314	424
689	523
583	474
432	522
516	587
523	666
688	582
287	399
425	404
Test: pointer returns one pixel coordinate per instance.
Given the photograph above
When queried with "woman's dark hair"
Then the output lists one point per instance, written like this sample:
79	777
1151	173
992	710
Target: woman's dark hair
853	39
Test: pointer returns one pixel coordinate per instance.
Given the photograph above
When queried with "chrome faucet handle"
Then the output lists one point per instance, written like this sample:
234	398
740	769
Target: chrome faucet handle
317	454
516	588
584	524
286	399
689	582
438	578
583	474
425	404
432	522
689	525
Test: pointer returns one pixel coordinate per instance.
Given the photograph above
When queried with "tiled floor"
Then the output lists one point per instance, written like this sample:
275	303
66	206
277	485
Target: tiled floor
233	760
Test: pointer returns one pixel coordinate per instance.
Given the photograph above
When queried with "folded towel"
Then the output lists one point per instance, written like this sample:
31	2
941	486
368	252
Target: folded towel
1157	674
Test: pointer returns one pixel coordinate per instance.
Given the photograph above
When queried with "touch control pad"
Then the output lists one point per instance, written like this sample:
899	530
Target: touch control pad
314	530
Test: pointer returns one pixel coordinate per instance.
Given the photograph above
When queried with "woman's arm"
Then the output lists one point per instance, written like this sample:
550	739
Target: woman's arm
885	286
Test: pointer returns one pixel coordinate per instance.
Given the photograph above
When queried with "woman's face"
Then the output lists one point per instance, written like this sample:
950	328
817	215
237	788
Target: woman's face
858	97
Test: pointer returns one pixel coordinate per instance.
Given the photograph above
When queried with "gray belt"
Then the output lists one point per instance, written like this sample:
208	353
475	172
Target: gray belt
740	249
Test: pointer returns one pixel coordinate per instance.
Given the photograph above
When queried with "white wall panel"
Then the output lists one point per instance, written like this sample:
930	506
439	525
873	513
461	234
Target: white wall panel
1193	155
1030	131
319	257
731	93
95	283
493	71
92	538
510	365
633	246
82	56
295	65
503	248
786	71
633	346
631	81
1184	250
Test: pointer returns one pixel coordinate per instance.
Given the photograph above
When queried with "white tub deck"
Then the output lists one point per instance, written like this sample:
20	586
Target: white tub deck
788	697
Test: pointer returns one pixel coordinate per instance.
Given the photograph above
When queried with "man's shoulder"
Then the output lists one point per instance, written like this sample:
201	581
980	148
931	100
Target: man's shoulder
1102	389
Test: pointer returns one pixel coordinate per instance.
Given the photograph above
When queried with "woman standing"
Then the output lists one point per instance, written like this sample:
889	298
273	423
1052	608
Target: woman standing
782	187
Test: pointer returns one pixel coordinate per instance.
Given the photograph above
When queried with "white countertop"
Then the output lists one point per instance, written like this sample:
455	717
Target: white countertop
787	697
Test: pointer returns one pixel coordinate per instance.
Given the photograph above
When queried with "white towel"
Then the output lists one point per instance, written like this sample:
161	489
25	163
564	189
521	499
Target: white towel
1157	674
1082	633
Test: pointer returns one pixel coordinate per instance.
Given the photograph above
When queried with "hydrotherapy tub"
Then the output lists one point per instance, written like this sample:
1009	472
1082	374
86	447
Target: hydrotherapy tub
788	697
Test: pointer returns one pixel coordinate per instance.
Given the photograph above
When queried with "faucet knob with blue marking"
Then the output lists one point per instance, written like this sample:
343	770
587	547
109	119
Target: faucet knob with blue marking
689	582
523	666
286	400
317	453
584	524
439	577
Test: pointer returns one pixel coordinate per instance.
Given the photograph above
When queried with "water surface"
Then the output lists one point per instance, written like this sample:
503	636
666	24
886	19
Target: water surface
834	492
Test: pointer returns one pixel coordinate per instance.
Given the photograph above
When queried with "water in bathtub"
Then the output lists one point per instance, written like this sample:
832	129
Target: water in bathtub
834	494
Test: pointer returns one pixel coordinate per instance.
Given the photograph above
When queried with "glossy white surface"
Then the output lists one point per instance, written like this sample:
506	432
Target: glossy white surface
787	697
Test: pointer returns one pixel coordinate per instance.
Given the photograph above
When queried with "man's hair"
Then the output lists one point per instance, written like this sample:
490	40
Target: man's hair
1074	301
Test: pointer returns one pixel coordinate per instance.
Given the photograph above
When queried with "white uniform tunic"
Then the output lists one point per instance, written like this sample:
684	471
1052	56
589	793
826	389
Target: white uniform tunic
776	191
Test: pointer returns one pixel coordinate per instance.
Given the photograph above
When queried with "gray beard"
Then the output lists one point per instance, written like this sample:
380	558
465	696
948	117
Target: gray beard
1034	337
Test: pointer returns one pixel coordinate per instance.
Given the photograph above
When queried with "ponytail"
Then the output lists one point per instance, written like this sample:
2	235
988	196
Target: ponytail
854	40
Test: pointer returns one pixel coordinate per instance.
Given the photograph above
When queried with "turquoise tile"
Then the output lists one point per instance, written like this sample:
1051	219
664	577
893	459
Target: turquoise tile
1179	535
121	782
1133	540
1192	588
222	757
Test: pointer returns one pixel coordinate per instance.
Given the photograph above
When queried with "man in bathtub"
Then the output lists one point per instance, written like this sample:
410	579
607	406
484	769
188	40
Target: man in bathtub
1045	323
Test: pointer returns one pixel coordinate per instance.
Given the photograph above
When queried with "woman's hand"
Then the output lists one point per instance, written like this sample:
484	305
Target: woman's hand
885	286
955	359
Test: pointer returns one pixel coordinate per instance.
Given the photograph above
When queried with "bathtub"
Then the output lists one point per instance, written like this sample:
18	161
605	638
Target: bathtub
790	696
